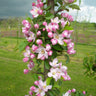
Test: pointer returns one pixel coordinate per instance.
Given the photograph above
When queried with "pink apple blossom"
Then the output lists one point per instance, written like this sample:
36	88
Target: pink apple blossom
36	26
39	41
67	94
53	73
26	24
65	15
71	51
31	37
42	53
30	65
65	33
69	1
33	4
42	88
50	53
63	23
34	11
48	47
59	38
43	29
25	30
36	83
49	27
32	88
41	4
70	18
40	12
44	23
50	34
30	93
73	90
34	47
55	20
32	55
54	63
27	53
67	40
38	1
38	33
54	41
70	45
84	92
25	59
26	71
27	47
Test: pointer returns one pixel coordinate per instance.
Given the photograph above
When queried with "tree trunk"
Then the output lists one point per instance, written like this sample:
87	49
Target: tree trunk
51	3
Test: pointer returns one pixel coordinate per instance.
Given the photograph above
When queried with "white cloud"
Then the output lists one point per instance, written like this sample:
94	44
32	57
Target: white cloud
87	13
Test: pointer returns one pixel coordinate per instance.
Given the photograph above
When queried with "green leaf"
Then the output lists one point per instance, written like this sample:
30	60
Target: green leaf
51	93
59	82
38	62
52	82
67	28
56	91
57	47
29	19
35	76
49	16
48	8
54	55
22	45
67	58
48	80
74	6
47	66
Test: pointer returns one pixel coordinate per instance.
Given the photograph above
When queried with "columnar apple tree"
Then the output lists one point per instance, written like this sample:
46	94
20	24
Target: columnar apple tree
48	35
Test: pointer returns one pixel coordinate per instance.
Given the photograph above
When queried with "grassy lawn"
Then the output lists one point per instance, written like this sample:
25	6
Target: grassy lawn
14	83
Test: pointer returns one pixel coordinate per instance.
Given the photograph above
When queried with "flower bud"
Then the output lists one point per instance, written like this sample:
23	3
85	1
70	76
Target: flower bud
84	92
32	88
50	34
48	47
36	26
33	4
30	93
25	59
73	90
32	56
50	53
39	41
54	41
36	83
34	47
26	71
44	23
38	33
40	12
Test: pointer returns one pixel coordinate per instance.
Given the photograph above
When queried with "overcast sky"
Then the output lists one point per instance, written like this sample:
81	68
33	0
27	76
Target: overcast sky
22	7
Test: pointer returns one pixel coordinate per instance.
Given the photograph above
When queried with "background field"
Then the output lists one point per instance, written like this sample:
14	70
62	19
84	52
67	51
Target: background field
14	83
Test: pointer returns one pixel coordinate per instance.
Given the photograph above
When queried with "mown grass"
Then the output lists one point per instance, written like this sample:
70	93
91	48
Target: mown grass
14	83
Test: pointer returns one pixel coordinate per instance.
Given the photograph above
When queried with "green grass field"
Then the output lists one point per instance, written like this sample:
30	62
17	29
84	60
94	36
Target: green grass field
14	83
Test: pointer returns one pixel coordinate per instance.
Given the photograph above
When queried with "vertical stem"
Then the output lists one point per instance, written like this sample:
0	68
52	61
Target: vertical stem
51	3
44	72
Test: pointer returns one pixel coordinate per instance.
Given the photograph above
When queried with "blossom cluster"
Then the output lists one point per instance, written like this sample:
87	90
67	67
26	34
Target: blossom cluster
57	71
38	48
40	89
37	9
69	92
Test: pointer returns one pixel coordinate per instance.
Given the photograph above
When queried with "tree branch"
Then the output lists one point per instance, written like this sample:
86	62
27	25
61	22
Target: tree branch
58	11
